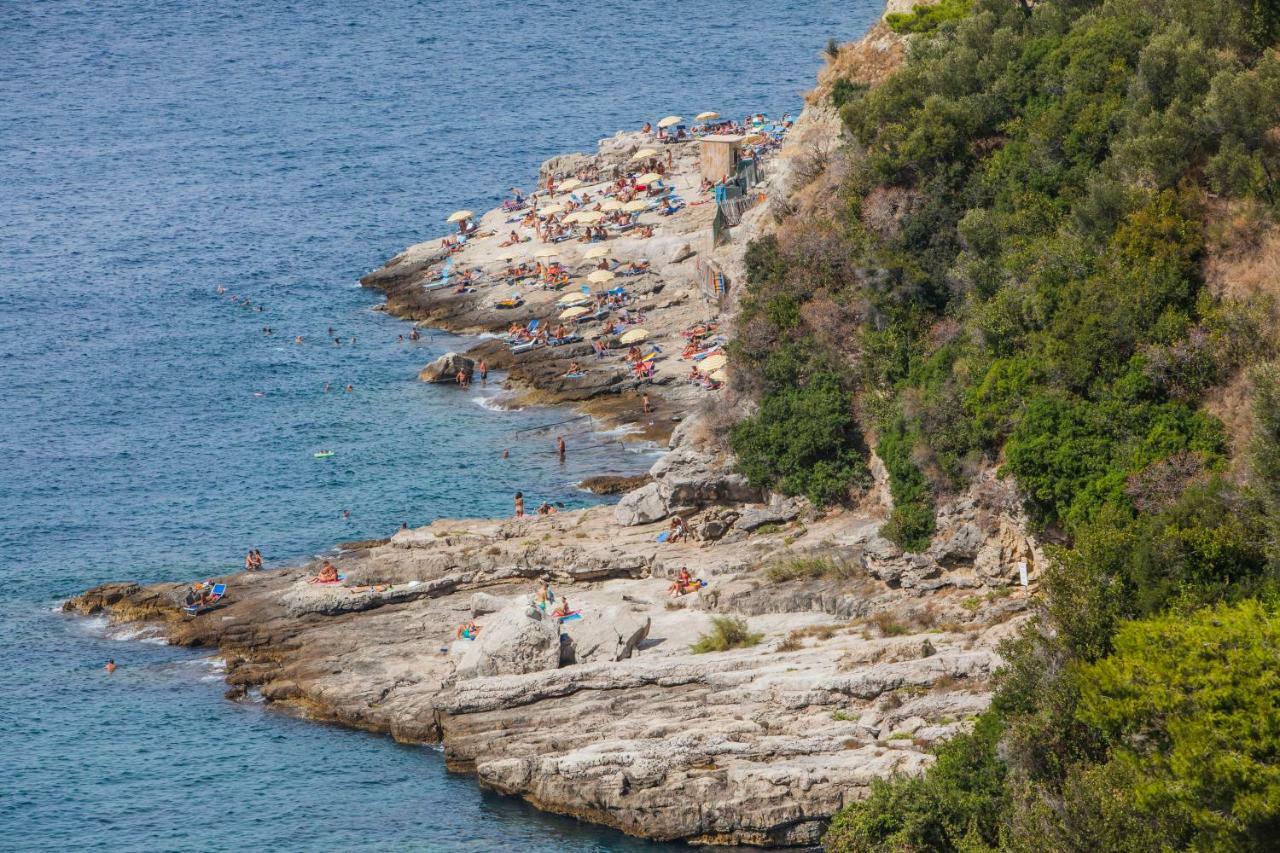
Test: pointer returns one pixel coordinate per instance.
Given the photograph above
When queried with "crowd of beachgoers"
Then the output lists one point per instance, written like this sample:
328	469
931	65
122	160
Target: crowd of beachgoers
572	225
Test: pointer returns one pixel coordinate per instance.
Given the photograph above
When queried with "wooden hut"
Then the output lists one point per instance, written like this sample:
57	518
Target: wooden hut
719	156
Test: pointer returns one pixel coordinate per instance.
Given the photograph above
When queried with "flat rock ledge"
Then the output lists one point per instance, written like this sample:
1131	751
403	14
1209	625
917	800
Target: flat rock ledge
611	717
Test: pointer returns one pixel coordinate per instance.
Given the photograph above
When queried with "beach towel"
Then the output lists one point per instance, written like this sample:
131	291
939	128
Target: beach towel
570	616
664	536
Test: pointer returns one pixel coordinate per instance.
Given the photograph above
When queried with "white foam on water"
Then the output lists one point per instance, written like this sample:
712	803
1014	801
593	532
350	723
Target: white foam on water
495	402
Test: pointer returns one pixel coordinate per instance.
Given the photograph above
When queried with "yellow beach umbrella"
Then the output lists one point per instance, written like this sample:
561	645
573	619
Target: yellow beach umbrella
596	252
648	178
600	276
588	217
634	336
573	299
668	121
458	216
644	153
635	205
610	204
547	210
705	116
572	313
569	185
548	252
713	362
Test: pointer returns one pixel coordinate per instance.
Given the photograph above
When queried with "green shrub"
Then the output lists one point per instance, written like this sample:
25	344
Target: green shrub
956	806
1188	704
727	632
807	568
925	17
804	440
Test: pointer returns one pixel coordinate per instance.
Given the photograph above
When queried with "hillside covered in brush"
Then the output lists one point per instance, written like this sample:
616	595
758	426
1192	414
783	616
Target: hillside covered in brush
1049	246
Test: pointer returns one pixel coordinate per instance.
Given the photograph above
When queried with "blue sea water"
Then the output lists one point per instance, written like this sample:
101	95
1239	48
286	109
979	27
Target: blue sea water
152	151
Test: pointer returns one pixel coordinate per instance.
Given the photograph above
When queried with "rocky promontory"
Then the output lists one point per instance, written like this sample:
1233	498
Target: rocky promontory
812	657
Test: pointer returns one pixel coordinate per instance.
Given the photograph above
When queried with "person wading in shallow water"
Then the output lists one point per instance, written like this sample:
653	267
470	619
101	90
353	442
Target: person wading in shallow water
519	504
560	447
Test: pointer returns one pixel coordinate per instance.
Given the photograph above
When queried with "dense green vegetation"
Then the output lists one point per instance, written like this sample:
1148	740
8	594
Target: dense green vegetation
1012	274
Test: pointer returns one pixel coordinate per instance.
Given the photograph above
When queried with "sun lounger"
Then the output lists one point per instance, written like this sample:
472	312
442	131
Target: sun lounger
567	339
219	593
524	347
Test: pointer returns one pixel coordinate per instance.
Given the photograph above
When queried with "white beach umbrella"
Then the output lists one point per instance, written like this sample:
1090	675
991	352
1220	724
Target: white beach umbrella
595	252
713	362
668	121
648	178
548	252
634	336
459	215
644	153
573	313
600	276
706	116
635	205
569	185
610	204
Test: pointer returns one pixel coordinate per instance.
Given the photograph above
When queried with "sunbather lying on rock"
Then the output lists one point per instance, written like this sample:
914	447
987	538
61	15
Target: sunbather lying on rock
683	584
467	630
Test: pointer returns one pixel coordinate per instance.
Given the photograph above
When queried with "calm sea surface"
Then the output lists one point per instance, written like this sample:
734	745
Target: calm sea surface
152	151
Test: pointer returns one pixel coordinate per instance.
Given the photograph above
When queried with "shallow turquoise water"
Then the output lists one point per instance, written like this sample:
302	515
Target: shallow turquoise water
150	151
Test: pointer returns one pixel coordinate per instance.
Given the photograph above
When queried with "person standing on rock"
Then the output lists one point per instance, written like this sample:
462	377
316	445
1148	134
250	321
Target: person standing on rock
519	504
484	372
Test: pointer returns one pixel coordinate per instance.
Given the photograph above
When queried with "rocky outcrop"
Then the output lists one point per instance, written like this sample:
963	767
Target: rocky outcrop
611	635
446	368
514	641
685	480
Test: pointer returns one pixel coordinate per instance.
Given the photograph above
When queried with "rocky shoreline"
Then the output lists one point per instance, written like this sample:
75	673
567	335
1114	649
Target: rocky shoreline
860	657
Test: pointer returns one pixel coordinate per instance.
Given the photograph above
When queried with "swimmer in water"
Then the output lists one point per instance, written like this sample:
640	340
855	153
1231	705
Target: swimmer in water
298	339
326	387
350	388
506	454
111	666
346	513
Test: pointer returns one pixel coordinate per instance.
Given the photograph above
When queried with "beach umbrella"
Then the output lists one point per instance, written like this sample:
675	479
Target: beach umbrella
569	185
634	336
705	116
610	204
643	154
569	300
548	252
588	216
548	209
635	205
458	216
720	375
596	252
668	121
572	313
713	362
648	178
600	276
